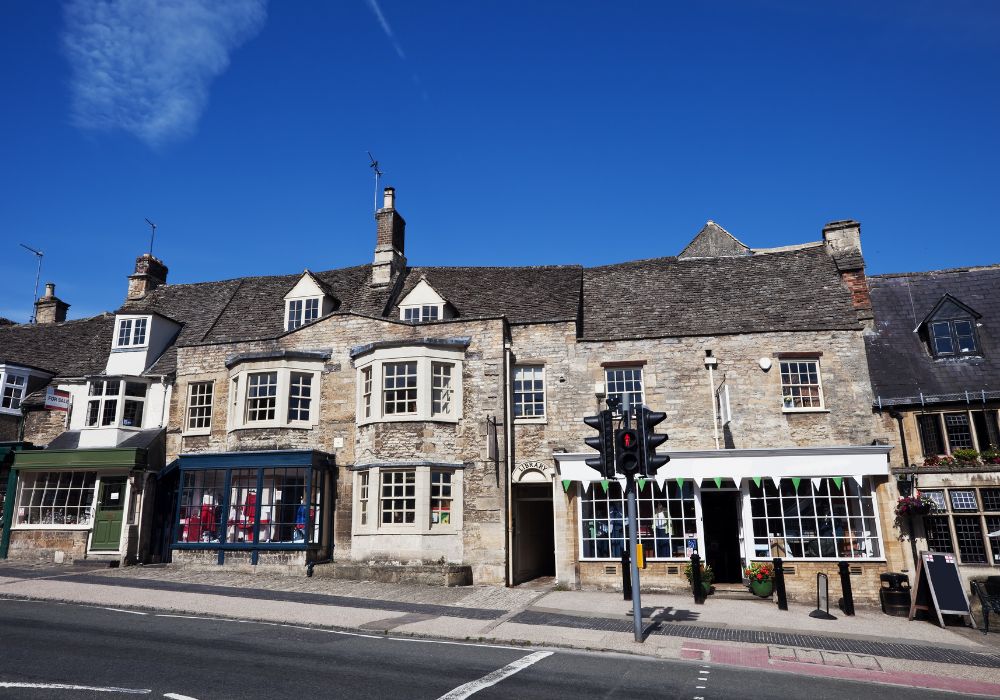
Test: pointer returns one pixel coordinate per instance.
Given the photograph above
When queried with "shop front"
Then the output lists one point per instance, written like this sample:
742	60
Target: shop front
273	507
78	504
812	507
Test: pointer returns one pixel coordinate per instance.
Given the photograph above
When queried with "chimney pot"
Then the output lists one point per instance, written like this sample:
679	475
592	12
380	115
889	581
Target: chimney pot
389	198
50	289
50	308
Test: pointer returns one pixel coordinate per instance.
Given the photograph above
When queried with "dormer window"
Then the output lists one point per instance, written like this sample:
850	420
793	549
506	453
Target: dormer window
421	314
950	329
953	337
131	332
301	312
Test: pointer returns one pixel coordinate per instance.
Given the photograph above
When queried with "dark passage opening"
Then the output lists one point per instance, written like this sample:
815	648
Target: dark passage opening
720	512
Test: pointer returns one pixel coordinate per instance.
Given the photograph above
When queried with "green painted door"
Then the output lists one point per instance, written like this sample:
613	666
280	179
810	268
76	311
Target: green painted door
110	513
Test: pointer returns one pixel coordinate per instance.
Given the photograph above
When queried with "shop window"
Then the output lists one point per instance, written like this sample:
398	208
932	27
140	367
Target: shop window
828	522
261	506
970	514
115	402
529	392
440	497
199	408
666	520
801	387
622	382
55	498
398	503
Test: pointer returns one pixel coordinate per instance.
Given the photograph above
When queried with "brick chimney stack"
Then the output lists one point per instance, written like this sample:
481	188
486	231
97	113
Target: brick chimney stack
50	308
843	243
149	274
390	230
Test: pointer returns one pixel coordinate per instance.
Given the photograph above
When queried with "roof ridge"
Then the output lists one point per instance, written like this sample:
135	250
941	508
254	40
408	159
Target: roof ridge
947	270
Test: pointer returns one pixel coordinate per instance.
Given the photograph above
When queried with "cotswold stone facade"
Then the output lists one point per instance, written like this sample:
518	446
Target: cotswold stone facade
390	421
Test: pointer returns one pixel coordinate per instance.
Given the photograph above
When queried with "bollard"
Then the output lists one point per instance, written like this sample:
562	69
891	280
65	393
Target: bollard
626	576
697	588
779	583
847	602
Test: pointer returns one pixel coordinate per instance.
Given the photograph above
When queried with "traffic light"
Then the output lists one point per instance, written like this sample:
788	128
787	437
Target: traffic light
603	442
649	440
627	455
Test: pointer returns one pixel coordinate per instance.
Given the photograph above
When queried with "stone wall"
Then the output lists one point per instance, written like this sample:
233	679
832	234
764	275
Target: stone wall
42	427
483	380
42	545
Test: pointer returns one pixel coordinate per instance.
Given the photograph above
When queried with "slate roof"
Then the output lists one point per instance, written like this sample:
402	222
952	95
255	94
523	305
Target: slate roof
792	290
899	361
67	349
522	294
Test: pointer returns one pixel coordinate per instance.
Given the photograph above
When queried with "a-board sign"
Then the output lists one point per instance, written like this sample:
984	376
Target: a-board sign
939	587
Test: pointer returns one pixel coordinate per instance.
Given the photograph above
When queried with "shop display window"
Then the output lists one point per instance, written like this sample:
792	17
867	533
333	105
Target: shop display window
666	520
251	507
55	498
828	522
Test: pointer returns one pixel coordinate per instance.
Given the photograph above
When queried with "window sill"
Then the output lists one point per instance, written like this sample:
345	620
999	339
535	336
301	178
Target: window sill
805	410
197	433
51	526
129	348
271	425
531	421
408	419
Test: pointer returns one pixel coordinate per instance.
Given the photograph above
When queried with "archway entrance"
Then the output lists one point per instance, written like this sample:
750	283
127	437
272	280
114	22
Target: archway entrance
534	535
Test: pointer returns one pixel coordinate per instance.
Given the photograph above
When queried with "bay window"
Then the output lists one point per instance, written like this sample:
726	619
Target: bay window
115	403
274	394
55	498
408	499
409	384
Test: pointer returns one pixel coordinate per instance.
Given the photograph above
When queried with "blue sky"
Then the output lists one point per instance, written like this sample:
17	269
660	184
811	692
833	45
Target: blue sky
515	133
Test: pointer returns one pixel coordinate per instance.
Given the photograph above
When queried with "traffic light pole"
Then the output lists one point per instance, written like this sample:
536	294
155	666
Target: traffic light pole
633	537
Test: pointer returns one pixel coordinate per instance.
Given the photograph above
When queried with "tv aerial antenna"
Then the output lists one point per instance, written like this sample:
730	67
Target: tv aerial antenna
378	176
38	273
152	235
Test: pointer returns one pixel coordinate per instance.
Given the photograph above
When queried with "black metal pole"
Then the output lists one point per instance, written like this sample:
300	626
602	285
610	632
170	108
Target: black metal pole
845	584
697	588
626	576
779	583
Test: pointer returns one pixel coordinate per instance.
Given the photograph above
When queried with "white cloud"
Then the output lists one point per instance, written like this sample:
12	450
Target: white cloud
145	66
373	4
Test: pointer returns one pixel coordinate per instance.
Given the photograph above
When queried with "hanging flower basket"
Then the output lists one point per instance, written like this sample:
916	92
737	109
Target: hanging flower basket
914	505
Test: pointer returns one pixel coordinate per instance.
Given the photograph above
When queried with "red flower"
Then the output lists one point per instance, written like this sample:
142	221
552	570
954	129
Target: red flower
760	576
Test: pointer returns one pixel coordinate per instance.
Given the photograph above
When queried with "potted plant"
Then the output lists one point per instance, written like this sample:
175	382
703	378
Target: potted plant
707	576
990	456
914	505
966	457
760	578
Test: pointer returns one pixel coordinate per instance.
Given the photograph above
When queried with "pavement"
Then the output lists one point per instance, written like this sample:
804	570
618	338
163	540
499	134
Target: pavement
731	631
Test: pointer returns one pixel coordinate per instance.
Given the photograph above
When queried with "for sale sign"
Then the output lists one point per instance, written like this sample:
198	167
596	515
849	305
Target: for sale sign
56	400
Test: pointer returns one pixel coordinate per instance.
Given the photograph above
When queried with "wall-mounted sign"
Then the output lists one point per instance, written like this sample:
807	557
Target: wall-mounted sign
532	472
56	400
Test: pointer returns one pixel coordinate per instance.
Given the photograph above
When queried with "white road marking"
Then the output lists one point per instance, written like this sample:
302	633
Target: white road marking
700	687
490	679
70	686
178	696
445	641
130	612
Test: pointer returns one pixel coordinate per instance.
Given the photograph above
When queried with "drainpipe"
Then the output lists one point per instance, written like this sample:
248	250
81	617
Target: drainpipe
710	364
893	413
508	432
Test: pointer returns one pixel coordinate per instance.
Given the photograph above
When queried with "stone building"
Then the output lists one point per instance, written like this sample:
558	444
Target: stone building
428	420
936	384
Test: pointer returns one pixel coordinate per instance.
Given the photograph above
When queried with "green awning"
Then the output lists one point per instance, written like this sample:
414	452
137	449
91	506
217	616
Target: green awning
85	459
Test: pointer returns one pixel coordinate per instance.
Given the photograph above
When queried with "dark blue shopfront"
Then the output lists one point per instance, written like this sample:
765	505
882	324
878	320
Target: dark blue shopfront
258	503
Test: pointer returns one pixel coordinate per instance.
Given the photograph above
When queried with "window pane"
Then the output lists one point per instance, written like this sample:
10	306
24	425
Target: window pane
991	499
963	500
930	434
139	332
125	332
294	314
262	391
132	413
938	534
200	405
529	392
964	335
311	310
969	533
959	435
441	497
399	388
993	525
366	391
299	396
941	337
398	503
800	384
622	382
441	389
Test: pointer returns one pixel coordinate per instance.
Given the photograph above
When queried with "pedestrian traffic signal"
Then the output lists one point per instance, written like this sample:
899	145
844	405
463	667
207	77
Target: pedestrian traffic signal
603	442
649	440
627	455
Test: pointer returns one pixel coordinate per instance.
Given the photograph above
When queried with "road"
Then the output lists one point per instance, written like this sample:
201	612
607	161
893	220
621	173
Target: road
53	650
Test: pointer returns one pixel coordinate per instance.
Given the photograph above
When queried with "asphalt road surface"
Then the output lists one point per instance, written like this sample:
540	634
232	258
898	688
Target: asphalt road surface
52	650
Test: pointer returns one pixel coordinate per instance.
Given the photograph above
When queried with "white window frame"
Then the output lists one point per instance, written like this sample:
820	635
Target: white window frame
421	313
788	402
7	381
302	310
120	397
423	508
283	369
132	332
19	504
197	402
608	371
425	358
535	418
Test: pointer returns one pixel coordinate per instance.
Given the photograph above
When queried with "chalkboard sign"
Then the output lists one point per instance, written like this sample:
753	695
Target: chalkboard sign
939	587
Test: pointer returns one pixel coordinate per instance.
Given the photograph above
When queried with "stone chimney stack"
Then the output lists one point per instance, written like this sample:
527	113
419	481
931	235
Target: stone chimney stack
843	243
149	274
50	308
390	230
